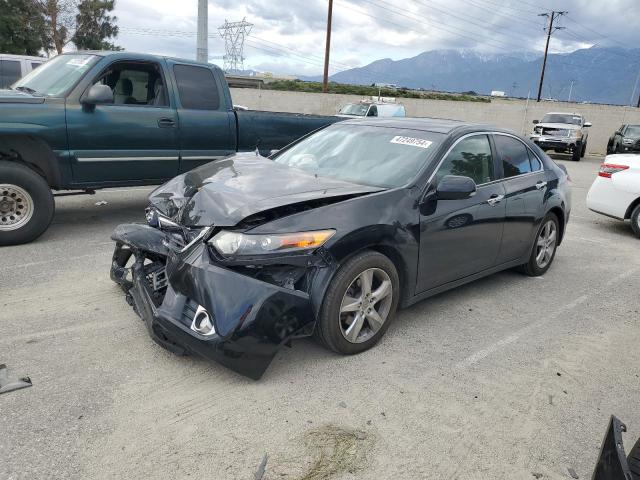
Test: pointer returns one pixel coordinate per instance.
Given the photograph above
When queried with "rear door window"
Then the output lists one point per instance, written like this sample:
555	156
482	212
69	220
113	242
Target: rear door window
10	71
197	88
514	156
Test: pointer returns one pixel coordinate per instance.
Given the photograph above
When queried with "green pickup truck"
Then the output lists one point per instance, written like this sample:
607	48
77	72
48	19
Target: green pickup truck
91	120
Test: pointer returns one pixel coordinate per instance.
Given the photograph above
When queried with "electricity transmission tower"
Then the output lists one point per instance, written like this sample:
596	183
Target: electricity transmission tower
550	29
234	34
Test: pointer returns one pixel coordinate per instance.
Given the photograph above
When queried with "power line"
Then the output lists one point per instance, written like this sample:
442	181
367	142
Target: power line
234	34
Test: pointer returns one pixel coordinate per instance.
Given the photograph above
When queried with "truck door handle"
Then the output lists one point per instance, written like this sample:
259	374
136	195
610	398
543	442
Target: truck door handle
166	123
541	185
495	199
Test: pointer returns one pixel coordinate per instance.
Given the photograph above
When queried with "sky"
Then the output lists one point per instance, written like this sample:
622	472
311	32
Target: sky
288	36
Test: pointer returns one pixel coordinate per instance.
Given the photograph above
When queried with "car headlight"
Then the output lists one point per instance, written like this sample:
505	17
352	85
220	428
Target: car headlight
627	141
575	133
234	243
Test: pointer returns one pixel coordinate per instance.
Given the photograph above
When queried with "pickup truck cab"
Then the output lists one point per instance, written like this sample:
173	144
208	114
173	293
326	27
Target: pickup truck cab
90	120
12	67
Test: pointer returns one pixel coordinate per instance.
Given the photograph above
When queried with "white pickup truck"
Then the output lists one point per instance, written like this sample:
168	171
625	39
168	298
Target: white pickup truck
562	133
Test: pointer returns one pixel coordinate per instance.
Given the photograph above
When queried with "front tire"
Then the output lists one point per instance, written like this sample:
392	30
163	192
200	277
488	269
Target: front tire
544	247
576	154
359	304
635	221
26	204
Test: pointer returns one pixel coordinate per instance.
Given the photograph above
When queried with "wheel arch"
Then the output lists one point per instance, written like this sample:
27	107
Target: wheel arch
559	213
631	208
34	153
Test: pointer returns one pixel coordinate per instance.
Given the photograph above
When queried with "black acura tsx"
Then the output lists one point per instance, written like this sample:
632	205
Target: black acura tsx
332	234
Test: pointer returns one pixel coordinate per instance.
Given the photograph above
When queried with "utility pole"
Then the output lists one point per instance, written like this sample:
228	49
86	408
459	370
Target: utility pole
325	79
202	48
550	30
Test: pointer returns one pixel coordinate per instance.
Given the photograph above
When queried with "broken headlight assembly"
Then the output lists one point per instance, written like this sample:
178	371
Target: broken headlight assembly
229	243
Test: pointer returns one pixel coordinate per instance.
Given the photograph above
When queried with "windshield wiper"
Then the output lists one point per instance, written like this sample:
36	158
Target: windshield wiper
26	89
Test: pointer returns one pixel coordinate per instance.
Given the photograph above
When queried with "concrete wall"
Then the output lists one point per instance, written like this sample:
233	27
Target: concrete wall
512	114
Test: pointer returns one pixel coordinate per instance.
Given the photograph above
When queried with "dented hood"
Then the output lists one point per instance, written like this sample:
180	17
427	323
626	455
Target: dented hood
224	192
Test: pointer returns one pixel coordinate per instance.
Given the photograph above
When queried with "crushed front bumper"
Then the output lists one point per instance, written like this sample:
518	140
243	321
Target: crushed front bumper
252	318
554	143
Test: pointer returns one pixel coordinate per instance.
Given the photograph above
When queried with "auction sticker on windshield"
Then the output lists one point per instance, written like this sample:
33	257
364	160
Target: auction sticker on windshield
416	142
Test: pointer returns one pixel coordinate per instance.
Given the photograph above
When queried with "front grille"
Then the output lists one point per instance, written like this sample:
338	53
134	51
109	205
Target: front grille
556	132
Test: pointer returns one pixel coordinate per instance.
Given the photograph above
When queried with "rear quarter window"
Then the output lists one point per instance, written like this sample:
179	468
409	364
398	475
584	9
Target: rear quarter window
10	71
197	87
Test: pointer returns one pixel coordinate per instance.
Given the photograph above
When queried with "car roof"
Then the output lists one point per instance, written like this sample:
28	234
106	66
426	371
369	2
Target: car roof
564	113
138	56
436	125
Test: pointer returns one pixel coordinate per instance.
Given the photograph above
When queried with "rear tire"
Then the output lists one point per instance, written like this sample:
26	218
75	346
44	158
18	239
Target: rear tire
26	204
343	324
544	250
635	221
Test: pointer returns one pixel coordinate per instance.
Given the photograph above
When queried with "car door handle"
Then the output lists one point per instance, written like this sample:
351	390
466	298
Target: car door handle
495	199
166	123
541	185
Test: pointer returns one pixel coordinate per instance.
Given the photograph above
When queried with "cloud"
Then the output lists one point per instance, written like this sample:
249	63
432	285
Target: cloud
288	36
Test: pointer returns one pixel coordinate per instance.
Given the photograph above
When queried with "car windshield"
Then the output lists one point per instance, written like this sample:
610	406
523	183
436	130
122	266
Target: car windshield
56	76
632	131
562	118
367	155
359	109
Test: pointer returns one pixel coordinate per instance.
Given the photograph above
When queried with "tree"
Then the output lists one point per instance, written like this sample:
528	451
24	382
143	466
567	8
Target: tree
22	28
60	21
94	27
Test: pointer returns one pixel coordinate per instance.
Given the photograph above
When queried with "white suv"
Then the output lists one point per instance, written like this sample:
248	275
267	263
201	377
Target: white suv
563	133
14	67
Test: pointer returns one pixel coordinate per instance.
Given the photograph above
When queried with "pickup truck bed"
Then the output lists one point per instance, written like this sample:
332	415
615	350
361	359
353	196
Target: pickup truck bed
89	120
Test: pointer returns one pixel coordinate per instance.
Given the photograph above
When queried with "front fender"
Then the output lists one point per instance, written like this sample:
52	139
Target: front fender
142	237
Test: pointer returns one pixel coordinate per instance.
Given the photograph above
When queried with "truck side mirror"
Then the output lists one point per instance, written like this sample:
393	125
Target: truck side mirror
587	124
535	122
98	94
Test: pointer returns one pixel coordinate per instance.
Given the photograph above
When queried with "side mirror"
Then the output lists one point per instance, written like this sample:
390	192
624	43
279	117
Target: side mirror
535	122
98	94
454	187
587	124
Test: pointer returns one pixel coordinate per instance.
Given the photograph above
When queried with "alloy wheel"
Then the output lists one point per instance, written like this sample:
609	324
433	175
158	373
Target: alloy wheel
546	244
16	207
365	305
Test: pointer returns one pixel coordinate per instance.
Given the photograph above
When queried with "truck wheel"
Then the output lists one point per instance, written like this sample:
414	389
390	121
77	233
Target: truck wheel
26	204
635	221
575	155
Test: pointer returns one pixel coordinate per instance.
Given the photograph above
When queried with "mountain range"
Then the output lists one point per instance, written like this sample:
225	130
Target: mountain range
599	74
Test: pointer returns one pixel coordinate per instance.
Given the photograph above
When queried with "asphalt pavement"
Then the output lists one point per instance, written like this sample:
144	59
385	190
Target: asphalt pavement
508	377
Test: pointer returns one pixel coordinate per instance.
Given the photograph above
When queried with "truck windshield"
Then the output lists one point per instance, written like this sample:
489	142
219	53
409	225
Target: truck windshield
367	155
632	131
358	109
562	118
56	76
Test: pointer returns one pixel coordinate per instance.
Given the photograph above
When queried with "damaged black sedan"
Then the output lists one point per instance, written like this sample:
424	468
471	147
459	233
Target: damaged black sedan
331	235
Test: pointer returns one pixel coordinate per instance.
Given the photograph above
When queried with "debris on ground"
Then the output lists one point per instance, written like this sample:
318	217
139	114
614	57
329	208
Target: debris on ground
342	404
262	468
337	450
101	203
6	386
573	473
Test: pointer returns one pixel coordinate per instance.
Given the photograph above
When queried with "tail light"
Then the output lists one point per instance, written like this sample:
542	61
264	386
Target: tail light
608	169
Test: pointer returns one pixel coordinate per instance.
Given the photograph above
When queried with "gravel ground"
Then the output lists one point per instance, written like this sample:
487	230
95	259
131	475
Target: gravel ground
508	377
